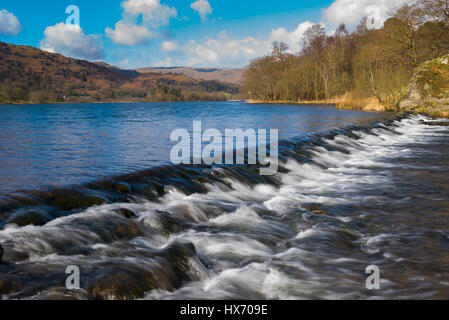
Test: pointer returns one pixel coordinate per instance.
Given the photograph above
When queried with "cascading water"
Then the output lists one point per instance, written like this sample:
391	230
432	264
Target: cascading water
342	200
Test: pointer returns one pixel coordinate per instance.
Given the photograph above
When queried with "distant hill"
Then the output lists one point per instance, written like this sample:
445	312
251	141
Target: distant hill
234	76
28	74
124	72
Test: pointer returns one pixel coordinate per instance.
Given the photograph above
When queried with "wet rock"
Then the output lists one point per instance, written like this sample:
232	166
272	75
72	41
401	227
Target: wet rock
128	230
348	234
1	253
122	188
147	192
9	284
125	285
126	213
182	257
75	200
436	123
29	216
60	294
169	223
317	209
120	286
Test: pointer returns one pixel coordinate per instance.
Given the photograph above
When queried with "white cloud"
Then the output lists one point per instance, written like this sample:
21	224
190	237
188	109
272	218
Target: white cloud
9	24
169	46
225	51
202	7
129	34
351	12
152	13
294	38
70	40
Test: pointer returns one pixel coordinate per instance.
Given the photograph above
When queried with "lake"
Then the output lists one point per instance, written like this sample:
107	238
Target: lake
64	144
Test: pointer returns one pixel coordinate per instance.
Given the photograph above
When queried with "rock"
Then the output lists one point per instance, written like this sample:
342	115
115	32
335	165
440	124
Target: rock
348	234
122	188
126	213
436	123
9	284
428	91
1	253
317	209
76	200
169	223
128	230
184	261
29	216
119	286
128	285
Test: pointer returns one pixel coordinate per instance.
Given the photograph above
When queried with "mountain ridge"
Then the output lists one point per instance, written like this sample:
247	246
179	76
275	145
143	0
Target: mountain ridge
28	74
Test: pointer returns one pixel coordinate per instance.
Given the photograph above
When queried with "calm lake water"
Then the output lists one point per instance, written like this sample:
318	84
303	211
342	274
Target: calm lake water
57	145
353	190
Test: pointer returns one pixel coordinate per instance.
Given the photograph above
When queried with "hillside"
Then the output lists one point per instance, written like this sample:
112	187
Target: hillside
234	76
28	74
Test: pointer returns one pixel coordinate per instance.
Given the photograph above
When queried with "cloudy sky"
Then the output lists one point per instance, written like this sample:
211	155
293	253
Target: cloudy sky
200	33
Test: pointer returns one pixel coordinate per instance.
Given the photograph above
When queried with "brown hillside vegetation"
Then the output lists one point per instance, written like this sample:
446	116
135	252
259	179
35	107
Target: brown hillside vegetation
28	74
234	76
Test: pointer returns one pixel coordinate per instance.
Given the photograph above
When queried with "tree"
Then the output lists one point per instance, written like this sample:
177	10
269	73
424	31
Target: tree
402	30
435	9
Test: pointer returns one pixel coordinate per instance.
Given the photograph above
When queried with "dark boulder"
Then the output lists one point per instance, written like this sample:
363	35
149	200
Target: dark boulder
1	253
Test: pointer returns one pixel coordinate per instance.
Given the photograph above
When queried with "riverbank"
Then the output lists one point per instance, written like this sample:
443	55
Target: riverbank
369	105
345	102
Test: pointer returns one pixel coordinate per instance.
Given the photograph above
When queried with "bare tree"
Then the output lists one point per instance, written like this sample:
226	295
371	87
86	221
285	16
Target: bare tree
436	9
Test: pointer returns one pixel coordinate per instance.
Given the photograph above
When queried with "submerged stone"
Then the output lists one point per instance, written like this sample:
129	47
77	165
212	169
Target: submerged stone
126	213
123	285
119	286
75	200
122	188
348	234
169	223
180	255
128	230
29	216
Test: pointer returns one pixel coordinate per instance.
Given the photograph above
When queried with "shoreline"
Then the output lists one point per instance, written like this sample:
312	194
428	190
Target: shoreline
23	103
342	103
366	105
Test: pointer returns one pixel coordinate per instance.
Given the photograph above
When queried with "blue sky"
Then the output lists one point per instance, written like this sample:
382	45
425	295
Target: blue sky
203	33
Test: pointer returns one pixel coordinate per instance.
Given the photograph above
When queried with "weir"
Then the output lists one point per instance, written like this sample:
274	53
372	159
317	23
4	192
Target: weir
227	232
